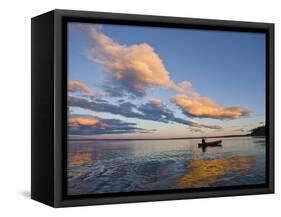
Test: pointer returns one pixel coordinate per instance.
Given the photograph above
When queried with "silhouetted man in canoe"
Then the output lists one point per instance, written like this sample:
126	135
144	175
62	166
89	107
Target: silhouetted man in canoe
203	141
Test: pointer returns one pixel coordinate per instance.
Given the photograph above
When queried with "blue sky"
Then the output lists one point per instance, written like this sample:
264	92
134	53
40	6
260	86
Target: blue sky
226	67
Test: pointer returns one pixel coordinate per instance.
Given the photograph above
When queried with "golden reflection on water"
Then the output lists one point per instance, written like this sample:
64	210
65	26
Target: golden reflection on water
203	173
79	158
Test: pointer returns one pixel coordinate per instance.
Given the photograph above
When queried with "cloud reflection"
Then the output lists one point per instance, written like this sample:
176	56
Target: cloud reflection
204	173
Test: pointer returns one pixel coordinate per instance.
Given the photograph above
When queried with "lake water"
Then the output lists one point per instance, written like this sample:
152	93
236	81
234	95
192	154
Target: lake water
123	166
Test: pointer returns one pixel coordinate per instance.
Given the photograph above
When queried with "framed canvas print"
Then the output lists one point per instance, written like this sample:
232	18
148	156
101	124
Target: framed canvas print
130	108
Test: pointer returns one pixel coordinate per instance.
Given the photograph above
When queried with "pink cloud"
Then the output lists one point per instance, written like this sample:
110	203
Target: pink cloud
203	107
138	68
74	85
135	67
91	125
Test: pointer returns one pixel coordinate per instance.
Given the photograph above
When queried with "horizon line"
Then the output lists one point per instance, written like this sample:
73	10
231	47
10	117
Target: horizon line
171	138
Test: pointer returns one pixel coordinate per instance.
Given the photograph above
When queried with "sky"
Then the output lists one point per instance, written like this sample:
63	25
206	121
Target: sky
153	82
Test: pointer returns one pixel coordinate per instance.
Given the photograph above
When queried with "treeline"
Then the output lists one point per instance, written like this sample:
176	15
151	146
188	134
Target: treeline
259	131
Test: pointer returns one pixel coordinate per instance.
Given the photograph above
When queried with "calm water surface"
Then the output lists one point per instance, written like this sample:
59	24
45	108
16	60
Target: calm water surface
125	166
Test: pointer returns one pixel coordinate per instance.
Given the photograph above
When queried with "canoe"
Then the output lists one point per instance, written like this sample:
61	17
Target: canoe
211	144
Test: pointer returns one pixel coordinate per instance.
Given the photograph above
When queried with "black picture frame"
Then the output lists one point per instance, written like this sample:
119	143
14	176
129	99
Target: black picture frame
49	107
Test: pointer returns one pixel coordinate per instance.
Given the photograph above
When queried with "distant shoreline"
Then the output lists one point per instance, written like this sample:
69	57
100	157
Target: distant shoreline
176	138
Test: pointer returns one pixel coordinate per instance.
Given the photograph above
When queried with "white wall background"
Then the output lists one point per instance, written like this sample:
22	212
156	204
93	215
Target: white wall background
15	106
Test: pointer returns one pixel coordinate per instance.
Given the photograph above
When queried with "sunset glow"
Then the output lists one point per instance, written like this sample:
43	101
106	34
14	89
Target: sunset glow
136	82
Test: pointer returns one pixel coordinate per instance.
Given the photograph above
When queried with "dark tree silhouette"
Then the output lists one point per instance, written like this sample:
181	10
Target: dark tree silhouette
259	131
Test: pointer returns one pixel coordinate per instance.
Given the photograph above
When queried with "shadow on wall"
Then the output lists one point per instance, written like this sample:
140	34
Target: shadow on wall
25	194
